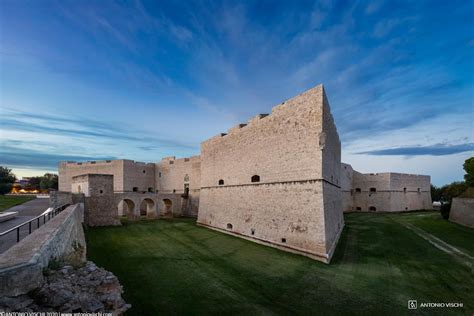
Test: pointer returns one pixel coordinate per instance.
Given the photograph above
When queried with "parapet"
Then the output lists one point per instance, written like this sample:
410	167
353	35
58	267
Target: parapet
258	118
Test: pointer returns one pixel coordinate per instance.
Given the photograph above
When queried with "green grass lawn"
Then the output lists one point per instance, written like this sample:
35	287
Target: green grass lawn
175	267
7	201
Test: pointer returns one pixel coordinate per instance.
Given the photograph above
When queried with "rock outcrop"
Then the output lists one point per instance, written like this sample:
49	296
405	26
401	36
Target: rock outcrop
68	289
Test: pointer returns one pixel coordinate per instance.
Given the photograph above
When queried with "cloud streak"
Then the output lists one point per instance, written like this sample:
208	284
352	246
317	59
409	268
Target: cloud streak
432	150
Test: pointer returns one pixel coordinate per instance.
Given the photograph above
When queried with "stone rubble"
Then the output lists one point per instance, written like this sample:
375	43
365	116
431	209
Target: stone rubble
85	289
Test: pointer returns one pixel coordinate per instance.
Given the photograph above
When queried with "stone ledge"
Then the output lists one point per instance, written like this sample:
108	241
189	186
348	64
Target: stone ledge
62	238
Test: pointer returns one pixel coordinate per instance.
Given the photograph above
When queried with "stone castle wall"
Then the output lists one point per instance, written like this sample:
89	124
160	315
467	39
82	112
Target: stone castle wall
462	211
286	149
128	174
386	192
172	175
99	202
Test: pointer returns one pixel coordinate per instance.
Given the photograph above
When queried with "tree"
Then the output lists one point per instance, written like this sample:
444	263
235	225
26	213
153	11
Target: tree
436	192
33	183
453	190
469	168
7	178
49	181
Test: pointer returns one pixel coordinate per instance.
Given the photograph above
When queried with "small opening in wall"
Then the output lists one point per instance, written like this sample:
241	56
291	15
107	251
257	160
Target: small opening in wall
373	190
150	190
372	208
283	240
404	190
419	190
255	178
92	162
135	189
358	208
144	171
171	162
101	191
186	159
229	226
406	208
252	231
157	191
174	190
358	190
221	182
159	174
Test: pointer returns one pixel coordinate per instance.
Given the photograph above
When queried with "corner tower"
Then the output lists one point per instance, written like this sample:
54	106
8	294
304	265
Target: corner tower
275	180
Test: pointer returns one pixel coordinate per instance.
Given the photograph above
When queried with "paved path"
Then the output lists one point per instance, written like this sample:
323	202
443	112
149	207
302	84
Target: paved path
26	211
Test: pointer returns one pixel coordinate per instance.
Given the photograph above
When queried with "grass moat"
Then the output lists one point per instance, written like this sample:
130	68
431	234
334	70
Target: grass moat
381	262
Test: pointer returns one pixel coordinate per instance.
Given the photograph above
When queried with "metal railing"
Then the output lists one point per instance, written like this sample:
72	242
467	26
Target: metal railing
46	216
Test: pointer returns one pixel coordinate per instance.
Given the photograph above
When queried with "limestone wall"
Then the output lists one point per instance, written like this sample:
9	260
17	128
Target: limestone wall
173	175
288	215
67	170
58	198
388	192
21	266
287	151
346	187
138	176
128	174
462	211
99	201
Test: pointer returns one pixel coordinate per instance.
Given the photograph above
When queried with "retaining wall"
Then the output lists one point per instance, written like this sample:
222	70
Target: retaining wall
62	238
462	211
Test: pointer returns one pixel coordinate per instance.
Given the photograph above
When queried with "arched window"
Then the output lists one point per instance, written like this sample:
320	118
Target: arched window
229	226
372	208
373	190
255	178
221	182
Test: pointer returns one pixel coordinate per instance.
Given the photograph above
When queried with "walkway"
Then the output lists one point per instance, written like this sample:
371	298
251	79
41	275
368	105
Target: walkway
26	211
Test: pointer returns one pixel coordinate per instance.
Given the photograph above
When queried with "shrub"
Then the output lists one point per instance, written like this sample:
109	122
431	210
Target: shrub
5	188
445	209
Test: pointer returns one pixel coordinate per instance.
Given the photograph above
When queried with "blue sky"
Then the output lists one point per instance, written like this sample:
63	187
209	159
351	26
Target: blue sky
84	80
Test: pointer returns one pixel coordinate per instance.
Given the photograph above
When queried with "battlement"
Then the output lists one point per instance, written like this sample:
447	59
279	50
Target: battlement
299	100
172	160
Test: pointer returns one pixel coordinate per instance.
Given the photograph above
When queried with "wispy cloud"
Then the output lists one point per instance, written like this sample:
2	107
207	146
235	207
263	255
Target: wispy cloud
147	79
433	150
27	158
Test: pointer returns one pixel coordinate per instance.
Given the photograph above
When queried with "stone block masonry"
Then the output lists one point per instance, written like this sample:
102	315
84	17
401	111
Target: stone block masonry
462	211
272	180
62	238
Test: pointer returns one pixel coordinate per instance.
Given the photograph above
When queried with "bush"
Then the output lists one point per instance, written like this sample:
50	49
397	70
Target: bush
445	209
5	188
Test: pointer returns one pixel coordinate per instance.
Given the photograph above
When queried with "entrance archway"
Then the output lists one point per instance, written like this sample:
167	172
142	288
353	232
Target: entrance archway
148	208
168	208
126	207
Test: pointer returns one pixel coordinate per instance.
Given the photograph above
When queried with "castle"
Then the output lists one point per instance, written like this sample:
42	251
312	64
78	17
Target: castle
277	180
